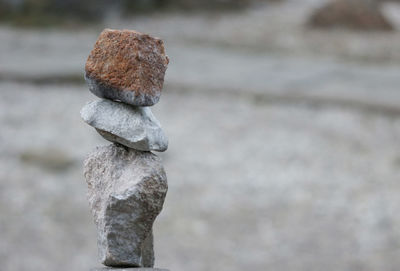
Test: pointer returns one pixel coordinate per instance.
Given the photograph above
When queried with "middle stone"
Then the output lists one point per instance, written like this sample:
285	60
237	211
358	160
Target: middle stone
132	126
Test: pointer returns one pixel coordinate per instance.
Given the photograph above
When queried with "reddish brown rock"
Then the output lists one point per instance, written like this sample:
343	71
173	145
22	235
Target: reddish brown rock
351	14
127	66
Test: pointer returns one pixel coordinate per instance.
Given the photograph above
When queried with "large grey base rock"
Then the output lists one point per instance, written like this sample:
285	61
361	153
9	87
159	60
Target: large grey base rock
126	191
127	269
131	126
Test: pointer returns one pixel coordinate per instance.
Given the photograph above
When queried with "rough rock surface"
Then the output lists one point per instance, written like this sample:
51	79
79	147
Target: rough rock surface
132	126
126	191
127	65
352	14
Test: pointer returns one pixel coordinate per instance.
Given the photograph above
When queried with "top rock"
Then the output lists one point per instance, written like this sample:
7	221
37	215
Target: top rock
127	66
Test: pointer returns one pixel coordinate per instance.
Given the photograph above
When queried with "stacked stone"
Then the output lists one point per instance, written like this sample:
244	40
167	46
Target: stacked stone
126	182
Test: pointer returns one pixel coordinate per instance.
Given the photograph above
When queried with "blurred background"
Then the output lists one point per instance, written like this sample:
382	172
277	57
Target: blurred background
284	126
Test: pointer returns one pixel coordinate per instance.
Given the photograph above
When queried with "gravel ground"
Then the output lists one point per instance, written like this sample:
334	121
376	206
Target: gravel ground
281	156
262	186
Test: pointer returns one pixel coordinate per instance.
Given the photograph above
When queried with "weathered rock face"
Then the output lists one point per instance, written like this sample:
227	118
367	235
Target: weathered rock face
351	14
126	191
127	66
132	126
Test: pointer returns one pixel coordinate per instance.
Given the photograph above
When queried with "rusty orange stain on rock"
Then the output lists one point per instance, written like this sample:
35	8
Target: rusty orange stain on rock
128	61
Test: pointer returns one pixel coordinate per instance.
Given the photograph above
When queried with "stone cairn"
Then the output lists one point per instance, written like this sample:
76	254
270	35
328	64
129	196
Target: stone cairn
126	182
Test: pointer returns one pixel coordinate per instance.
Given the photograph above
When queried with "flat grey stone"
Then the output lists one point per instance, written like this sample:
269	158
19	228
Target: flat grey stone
131	126
126	191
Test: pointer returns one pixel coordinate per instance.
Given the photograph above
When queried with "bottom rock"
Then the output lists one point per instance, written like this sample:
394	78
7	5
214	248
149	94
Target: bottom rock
126	191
